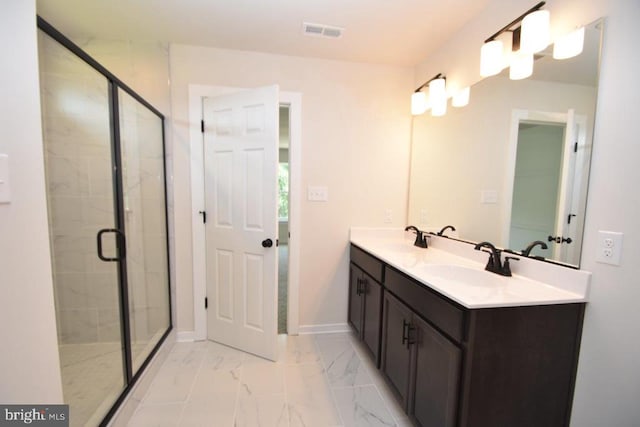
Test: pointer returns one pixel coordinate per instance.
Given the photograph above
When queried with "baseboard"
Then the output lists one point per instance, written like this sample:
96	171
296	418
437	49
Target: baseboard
185	336
327	328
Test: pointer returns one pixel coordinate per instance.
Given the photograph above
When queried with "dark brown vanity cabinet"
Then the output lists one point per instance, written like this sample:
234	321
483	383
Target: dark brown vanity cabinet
421	365
453	366
365	299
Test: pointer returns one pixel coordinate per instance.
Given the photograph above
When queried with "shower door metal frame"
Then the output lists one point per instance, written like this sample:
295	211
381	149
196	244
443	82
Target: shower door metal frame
116	151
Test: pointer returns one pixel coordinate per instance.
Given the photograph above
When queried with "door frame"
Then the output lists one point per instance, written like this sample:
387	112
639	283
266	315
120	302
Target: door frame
517	116
294	101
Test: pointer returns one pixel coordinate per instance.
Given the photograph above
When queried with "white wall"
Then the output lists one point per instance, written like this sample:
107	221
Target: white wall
355	140
608	383
29	364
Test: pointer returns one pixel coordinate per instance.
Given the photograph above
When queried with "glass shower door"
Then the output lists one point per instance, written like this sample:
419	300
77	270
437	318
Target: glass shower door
141	135
80	194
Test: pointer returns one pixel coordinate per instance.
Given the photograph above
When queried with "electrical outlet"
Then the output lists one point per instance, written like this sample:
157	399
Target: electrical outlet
609	247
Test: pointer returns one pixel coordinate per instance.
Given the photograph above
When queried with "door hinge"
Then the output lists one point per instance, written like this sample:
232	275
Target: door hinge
575	147
202	126
206	303
204	216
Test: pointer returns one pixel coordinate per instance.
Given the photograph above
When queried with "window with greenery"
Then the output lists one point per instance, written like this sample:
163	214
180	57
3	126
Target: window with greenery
283	191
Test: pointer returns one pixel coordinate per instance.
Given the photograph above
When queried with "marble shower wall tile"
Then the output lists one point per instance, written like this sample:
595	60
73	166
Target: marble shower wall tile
78	326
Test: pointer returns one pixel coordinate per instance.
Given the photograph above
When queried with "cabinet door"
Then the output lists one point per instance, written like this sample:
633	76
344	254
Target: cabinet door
434	400
372	308
355	299
396	354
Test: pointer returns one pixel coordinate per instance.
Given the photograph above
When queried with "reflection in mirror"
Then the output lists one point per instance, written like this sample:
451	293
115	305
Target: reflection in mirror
512	166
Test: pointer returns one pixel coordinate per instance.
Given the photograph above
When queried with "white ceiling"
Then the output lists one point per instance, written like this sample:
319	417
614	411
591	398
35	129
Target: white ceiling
398	32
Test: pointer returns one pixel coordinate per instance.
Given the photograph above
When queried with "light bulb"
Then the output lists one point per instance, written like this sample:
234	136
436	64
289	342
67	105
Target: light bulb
521	65
418	103
461	98
438	97
535	35
491	62
569	45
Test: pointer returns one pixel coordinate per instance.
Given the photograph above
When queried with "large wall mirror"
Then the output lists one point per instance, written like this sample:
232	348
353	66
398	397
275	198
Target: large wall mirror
512	166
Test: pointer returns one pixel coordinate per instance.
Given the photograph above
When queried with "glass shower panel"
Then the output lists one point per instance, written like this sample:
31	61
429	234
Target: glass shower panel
80	196
141	135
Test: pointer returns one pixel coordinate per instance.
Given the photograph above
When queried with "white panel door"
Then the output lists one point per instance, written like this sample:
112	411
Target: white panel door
241	159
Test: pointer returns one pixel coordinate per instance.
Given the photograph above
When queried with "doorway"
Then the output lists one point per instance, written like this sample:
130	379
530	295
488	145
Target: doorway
293	103
536	184
283	218
546	194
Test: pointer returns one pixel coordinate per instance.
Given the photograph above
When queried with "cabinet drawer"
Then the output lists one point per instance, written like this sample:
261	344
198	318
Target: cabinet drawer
434	308
372	266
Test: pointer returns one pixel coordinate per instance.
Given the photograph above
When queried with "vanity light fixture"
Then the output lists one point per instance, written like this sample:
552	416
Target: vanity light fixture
569	45
461	98
437	96
498	53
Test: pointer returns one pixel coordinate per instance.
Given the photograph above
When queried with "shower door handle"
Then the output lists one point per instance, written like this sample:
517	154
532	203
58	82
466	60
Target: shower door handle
120	244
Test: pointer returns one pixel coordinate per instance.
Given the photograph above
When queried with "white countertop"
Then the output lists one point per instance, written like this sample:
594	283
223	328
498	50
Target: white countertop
455	270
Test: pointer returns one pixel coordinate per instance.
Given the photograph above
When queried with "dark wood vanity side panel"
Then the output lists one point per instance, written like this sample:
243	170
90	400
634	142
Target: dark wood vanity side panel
368	263
443	314
520	366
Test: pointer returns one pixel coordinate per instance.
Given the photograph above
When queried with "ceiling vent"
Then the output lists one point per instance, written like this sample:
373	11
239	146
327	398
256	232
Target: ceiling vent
321	30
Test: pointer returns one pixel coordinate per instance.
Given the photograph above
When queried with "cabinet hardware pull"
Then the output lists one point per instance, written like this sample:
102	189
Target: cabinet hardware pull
410	341
358	284
405	327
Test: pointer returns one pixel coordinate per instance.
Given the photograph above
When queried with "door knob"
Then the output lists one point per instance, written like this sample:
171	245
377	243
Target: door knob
267	243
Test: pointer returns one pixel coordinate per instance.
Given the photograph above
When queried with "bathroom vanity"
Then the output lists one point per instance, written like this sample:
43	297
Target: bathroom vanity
460	347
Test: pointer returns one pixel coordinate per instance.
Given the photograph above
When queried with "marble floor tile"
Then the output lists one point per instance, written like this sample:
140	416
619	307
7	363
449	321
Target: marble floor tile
309	396
300	349
262	378
217	374
362	407
217	410
320	381
269	410
157	416
343	365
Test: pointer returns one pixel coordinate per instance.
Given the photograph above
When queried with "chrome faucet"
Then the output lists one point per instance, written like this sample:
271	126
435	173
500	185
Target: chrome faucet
421	240
527	251
441	232
495	264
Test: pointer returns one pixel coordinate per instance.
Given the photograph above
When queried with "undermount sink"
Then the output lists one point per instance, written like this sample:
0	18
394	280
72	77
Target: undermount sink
463	275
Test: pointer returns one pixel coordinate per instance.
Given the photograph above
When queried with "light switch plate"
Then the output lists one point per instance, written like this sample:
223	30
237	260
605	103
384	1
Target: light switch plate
489	196
317	193
5	188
